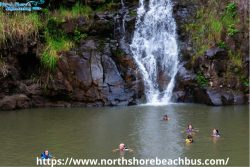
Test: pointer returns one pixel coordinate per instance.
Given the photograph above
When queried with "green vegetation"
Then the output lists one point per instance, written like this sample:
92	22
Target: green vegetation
119	53
230	19
211	24
107	7
133	13
80	10
222	45
50	56
78	35
231	30
56	40
235	58
216	25
76	11
245	82
3	68
18	26
201	80
47	25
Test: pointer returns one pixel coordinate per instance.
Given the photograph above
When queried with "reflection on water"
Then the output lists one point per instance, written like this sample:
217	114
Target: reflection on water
94	133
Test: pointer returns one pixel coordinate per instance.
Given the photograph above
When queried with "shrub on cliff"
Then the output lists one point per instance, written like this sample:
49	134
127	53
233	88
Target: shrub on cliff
201	79
213	21
18	26
52	50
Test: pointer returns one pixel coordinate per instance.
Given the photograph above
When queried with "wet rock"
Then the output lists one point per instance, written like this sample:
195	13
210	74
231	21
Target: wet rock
179	96
69	26
219	66
218	97
227	98
111	74
163	80
214	97
239	98
34	89
96	70
102	25
18	101
39	101
185	75
90	76
216	53
210	97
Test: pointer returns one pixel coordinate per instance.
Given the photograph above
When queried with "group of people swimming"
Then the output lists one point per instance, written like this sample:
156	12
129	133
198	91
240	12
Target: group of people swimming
190	131
122	147
189	139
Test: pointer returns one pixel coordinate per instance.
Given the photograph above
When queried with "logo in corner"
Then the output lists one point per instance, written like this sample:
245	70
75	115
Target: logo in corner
27	6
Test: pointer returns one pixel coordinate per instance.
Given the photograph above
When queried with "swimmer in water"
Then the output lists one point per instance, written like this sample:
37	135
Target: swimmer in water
123	148
189	139
189	128
46	155
165	117
215	133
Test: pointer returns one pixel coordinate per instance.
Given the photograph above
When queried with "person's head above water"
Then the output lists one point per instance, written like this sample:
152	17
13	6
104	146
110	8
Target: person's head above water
189	139
189	126
122	147
165	117
214	131
46	152
46	155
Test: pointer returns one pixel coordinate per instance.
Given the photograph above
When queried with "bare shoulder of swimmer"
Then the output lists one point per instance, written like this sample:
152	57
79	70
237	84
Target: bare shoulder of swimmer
129	150
114	150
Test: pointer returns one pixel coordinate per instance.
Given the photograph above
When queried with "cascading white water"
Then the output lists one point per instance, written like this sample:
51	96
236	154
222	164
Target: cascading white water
155	50
123	28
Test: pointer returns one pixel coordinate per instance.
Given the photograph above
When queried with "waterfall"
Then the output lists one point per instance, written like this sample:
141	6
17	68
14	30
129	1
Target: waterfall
154	48
123	27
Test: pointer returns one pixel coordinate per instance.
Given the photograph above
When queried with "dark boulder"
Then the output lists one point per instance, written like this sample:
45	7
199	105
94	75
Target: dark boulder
227	98
217	97
13	102
210	97
179	96
214	97
239	98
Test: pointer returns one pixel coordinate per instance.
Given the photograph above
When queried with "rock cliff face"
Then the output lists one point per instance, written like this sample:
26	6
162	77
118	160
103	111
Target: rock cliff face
96	72
100	71
212	76
92	77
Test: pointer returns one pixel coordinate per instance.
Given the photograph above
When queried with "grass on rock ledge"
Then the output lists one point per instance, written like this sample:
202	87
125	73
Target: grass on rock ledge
214	22
18	26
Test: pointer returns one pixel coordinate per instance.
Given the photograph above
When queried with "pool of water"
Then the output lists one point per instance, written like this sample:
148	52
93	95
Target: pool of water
95	132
